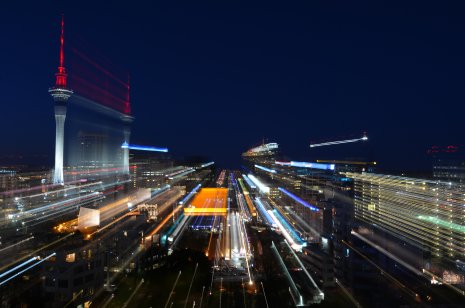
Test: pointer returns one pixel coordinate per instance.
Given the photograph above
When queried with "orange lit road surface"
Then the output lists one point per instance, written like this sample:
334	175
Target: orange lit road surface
208	202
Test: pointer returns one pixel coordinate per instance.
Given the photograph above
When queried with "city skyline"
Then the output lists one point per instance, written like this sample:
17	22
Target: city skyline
232	155
304	64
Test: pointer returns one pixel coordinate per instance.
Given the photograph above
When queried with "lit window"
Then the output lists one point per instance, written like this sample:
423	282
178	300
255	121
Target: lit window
70	257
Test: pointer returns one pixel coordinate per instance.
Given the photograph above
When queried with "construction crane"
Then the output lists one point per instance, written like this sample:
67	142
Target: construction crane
363	138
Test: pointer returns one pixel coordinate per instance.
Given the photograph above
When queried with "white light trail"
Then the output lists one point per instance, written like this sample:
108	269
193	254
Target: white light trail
262	187
18	267
305	270
387	253
207	164
28	268
265	169
18	243
249	182
364	138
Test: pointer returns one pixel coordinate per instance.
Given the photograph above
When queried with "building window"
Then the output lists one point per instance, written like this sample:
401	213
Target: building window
70	257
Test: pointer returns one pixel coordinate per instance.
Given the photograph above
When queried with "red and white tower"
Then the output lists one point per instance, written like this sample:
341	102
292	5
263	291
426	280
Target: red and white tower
60	94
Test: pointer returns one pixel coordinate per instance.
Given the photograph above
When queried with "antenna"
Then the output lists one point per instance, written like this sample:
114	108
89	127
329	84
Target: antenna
127	107
62	41
61	75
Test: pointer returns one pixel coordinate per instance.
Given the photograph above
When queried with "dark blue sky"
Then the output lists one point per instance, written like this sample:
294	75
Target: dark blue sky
216	77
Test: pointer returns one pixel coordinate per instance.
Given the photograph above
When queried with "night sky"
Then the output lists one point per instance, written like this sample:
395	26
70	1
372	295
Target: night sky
215	78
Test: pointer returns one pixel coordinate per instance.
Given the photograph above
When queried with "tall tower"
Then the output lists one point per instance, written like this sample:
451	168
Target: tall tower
127	120
60	94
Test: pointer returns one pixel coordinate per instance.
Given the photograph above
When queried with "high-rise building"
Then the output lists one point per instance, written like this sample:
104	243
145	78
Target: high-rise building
92	149
426	215
60	94
448	162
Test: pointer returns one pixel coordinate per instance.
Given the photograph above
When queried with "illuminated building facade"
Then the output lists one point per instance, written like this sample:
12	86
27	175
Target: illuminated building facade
448	163
426	214
149	171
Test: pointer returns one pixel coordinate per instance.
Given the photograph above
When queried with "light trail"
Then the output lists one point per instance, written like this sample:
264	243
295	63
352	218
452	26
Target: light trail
169	200
387	253
207	164
264	213
53	215
305	270
298	200
289	228
110	210
302	164
296	242
18	243
364	138
179	231
211	235
382	271
274	249
302	222
88	236
68	226
249	182
160	190
236	246
163	222
66	189
28	268
348	294
437	278
192	192
62	208
181	174
143	148
18	266
443	223
171	229
38	187
346	162
245	243
66	202
36	251
262	187
102	171
244	211
265	169
247	198
178	171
